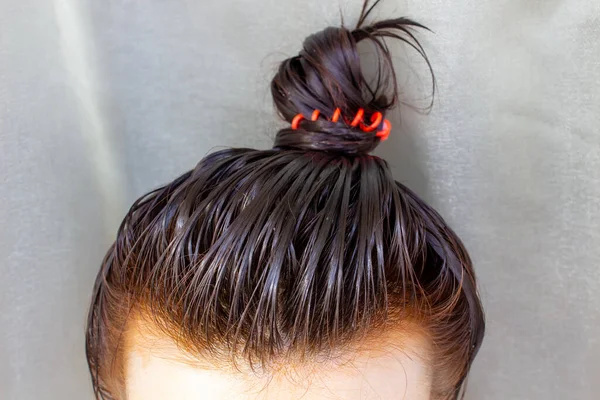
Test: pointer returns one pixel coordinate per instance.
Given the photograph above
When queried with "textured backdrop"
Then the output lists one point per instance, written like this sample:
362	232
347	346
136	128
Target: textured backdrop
101	101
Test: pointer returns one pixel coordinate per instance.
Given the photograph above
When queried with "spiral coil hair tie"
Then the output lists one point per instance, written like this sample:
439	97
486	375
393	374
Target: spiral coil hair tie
376	119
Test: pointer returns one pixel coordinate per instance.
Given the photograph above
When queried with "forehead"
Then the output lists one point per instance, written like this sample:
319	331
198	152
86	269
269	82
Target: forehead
155	368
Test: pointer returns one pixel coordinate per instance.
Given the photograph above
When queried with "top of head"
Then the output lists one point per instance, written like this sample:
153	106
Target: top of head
327	75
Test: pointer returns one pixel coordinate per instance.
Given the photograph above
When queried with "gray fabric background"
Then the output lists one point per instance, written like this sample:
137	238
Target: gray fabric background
100	101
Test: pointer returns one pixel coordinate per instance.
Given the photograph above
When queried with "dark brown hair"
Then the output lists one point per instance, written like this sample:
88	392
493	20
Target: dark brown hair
296	251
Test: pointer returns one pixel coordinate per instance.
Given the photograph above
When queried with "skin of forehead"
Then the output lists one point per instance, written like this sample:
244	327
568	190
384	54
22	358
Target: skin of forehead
390	368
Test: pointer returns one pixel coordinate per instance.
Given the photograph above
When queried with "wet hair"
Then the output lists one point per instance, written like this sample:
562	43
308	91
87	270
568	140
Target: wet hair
296	251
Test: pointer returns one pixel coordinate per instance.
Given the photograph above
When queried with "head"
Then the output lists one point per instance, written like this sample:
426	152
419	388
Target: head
305	269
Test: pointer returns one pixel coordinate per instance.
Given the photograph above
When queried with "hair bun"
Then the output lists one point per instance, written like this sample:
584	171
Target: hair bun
327	75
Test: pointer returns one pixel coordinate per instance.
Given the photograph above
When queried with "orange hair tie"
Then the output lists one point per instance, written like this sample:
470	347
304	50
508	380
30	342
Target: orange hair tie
376	119
296	121
300	117
384	133
336	115
358	117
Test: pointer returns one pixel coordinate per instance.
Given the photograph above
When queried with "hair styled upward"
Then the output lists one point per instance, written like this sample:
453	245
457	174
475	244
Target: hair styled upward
297	251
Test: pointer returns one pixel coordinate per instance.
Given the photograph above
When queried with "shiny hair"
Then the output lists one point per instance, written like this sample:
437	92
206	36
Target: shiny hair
295	251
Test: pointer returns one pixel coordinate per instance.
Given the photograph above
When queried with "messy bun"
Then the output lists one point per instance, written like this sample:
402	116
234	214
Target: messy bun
327	75
296	252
